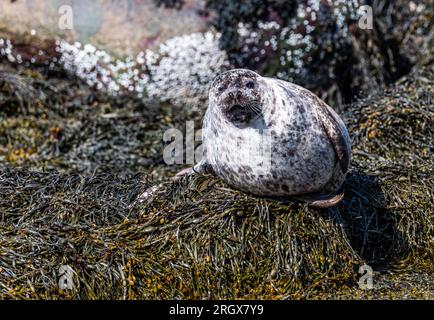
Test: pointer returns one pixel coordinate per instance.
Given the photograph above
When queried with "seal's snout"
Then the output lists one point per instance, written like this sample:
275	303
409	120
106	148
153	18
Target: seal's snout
236	109
237	113
242	112
233	95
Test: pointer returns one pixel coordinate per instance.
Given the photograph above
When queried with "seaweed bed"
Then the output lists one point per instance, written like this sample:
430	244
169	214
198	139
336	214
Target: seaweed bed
73	160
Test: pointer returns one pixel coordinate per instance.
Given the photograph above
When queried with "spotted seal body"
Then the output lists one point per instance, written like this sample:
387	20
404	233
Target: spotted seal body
273	138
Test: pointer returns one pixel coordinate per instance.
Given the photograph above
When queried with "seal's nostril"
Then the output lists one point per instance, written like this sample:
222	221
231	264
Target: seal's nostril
231	95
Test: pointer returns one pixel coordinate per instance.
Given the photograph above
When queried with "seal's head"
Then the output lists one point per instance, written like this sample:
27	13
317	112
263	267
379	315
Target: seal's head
239	94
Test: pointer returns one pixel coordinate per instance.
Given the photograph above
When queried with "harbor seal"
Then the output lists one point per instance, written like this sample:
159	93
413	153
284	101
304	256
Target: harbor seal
309	147
304	146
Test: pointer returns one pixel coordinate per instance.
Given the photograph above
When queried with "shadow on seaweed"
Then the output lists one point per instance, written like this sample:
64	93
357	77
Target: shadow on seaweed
371	227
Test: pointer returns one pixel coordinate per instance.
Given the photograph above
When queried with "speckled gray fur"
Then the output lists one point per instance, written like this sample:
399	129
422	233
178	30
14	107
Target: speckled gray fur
309	143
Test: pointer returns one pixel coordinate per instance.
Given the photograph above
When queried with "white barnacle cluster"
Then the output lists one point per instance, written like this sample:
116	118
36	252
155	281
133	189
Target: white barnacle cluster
14	55
183	68
299	45
259	40
89	64
6	50
296	41
296	47
103	71
178	72
344	10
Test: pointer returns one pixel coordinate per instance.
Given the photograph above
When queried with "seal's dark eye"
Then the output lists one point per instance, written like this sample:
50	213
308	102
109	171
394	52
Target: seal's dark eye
250	84
221	88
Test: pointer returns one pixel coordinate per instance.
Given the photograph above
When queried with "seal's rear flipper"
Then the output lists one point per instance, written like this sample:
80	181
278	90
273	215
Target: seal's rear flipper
321	200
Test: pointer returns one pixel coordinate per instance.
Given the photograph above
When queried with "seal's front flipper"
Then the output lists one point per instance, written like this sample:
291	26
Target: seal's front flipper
151	192
201	167
321	201
183	173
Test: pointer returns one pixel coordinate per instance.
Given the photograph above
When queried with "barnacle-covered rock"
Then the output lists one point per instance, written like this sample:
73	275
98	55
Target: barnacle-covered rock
179	71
